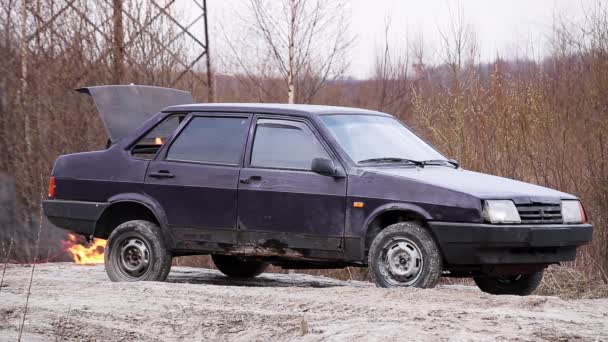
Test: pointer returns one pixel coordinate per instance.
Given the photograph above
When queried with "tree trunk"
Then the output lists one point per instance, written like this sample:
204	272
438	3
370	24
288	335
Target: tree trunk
24	58
291	89
117	44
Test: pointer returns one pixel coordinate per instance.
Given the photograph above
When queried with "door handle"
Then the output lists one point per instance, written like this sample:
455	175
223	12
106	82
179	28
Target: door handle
250	179
161	174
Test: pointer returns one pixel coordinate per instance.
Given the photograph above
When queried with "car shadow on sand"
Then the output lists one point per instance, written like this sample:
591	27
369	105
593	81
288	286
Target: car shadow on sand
213	277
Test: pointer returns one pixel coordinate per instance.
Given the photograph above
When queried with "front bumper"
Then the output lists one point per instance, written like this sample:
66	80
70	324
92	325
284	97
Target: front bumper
77	216
478	244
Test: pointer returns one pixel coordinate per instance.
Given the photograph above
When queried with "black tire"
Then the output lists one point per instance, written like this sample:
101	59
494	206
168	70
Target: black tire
238	267
413	249
520	285
136	251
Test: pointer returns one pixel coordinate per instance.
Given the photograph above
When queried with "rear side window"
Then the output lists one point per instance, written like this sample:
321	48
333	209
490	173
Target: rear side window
215	140
148	146
285	144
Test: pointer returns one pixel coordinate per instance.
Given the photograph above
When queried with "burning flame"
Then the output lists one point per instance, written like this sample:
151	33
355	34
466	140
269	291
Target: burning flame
82	254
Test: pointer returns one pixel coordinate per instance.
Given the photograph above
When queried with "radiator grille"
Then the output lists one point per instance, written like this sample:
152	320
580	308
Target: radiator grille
540	213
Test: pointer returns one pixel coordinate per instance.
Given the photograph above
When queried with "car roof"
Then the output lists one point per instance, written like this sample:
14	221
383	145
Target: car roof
271	108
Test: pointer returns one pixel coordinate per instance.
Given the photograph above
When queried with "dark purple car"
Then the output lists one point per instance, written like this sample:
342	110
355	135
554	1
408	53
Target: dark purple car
300	186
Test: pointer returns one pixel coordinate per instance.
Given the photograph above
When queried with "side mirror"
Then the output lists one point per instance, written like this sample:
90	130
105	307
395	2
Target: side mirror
323	166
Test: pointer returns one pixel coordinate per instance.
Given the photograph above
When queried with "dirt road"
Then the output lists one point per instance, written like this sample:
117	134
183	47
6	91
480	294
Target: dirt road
70	302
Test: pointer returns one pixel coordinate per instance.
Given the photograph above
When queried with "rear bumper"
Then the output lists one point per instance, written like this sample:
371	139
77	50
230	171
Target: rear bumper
478	244
77	216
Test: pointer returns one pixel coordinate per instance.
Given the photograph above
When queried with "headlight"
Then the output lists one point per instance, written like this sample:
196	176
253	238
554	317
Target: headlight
573	212
501	211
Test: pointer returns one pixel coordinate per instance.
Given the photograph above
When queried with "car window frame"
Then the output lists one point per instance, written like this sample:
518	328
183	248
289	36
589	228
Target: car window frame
134	143
305	121
162	155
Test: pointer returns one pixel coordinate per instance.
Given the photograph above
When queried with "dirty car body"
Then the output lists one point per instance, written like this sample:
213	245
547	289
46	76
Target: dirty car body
280	184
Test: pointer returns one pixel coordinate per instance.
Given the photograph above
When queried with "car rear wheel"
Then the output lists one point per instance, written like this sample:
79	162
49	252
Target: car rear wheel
238	267
136	251
521	285
405	254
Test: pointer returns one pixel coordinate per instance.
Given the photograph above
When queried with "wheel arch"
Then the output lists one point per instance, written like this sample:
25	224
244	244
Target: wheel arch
391	213
127	207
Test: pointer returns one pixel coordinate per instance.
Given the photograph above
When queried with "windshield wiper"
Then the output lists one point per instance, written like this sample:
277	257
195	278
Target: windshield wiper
441	161
419	163
391	160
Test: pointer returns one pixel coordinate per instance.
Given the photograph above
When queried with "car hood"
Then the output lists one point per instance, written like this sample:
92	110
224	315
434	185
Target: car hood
477	184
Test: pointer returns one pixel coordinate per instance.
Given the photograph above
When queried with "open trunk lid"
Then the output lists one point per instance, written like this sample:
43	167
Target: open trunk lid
123	108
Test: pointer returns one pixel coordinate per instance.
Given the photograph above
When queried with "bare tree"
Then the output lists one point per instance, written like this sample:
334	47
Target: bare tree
459	48
458	40
391	79
302	42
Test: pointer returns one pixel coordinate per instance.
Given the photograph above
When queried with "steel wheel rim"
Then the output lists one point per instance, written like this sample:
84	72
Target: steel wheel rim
133	257
401	262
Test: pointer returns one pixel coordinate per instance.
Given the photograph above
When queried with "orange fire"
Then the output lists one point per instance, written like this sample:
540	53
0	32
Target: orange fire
83	254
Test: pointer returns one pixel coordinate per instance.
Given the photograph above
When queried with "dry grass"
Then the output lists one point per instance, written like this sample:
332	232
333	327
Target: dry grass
567	282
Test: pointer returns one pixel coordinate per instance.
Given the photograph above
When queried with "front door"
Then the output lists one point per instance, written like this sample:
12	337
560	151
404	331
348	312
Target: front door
280	200
195	178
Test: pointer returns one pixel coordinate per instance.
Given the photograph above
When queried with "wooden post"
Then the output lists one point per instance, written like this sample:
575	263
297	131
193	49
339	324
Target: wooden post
118	43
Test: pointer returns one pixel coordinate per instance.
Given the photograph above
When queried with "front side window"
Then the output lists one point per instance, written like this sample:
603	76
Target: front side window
285	144
372	137
147	146
215	140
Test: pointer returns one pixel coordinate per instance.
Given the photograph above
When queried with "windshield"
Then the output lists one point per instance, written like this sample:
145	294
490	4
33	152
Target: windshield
370	137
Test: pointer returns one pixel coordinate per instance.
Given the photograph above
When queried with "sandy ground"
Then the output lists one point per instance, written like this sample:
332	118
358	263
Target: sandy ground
79	303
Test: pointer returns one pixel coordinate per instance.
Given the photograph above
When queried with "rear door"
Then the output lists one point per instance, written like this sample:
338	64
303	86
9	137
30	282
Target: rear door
195	177
280	200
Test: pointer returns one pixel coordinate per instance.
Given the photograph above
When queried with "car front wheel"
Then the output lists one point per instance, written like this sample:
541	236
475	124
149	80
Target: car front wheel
136	251
238	267
405	254
521	285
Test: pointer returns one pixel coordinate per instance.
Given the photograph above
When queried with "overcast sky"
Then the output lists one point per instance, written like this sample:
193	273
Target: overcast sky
508	28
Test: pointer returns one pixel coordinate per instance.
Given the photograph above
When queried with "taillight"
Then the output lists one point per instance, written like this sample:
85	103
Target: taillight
51	187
